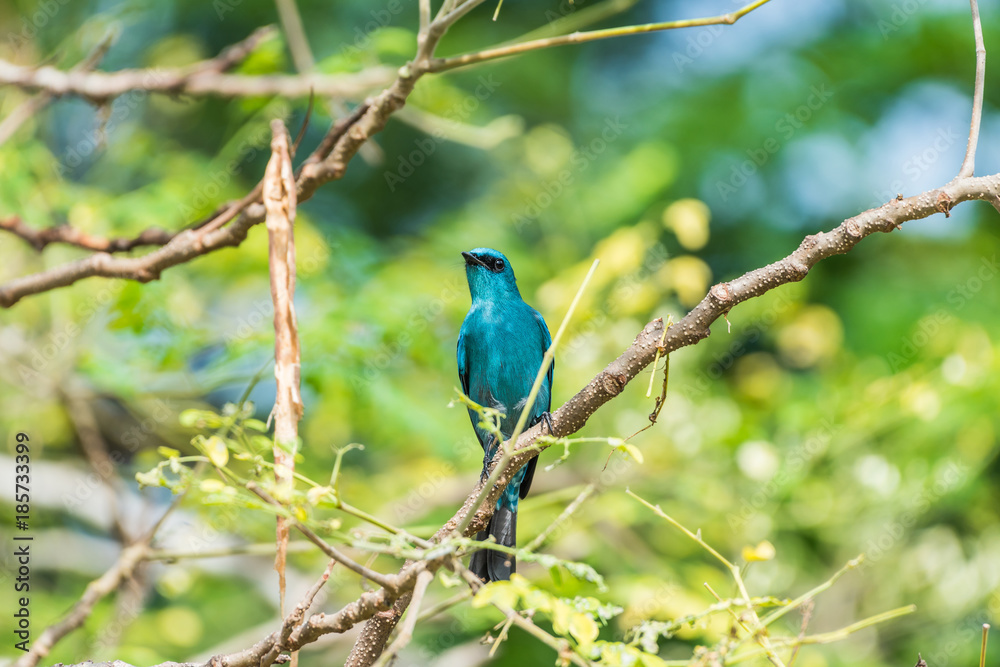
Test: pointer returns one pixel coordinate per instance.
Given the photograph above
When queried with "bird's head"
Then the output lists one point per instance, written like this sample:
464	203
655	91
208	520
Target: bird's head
490	274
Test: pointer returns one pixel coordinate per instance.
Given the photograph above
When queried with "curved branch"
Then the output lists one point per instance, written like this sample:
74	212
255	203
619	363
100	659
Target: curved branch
39	238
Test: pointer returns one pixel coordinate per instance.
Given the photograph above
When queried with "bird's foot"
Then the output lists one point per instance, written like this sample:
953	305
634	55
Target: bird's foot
547	419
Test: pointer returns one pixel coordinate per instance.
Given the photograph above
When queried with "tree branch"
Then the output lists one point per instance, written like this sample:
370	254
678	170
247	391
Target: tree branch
204	78
33	105
969	163
279	201
40	238
506	50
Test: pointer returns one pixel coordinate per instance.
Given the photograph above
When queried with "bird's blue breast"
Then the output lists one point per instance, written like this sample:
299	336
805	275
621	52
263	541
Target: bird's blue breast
503	345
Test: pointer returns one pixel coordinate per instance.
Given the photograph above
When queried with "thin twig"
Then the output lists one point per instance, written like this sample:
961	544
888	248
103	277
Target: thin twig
294	619
381	579
564	516
969	163
298	43
507	50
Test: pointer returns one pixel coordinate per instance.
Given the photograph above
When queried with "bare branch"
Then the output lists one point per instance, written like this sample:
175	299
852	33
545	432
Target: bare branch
386	581
506	50
279	202
39	238
206	237
295	617
969	163
35	104
295	33
204	78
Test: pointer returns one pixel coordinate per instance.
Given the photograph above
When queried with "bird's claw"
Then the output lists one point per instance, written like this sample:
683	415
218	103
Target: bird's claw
547	420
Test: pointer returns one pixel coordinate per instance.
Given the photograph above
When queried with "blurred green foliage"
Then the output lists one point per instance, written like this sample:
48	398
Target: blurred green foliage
855	412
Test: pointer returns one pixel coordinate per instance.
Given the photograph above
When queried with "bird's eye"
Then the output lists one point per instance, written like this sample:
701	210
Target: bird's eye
498	265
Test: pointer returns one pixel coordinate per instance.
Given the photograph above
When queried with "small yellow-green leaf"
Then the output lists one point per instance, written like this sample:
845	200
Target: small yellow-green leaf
318	494
561	613
763	551
168	452
212	486
256	425
216	450
634	452
151	478
583	629
496	592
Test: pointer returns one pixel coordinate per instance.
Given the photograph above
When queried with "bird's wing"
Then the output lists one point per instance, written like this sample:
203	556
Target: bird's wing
529	472
546	344
463	362
463	376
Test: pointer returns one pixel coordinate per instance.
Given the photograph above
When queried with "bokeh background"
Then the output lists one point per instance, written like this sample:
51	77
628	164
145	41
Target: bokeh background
855	412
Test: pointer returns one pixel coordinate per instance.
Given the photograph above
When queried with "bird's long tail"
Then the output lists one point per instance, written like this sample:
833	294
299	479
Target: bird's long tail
490	564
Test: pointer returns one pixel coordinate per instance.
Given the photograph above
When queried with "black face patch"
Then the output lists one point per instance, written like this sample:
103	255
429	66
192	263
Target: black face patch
494	264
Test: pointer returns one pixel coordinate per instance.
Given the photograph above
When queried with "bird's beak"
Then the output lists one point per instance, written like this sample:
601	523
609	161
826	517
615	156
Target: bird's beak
472	260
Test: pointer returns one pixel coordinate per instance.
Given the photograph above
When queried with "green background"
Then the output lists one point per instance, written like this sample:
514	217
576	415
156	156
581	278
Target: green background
855	412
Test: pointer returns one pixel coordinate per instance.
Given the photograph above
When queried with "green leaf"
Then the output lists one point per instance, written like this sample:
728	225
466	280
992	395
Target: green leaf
501	593
583	629
152	478
168	452
217	451
255	425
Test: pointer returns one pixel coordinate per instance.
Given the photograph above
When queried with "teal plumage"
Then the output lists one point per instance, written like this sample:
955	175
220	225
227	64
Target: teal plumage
500	349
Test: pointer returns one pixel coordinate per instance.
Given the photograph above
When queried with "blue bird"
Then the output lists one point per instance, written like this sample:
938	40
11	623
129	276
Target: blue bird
500	349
